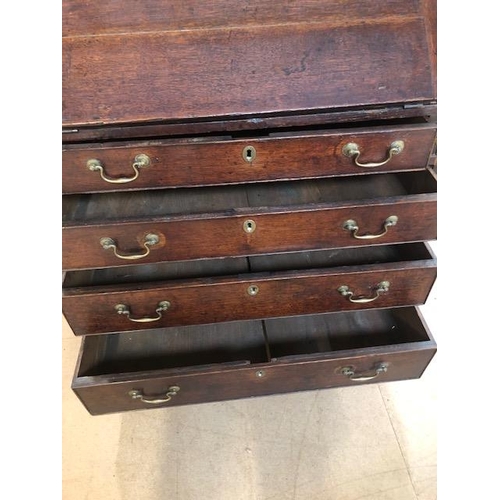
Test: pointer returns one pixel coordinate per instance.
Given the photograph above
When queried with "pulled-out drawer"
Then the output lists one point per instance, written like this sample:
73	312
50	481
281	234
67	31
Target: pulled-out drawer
88	168
119	229
214	291
180	366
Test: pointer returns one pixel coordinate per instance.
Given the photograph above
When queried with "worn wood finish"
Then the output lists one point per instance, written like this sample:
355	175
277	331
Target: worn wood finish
429	10
190	84
395	113
402	252
83	17
293	337
400	338
159	272
196	238
204	161
167	75
210	268
283	220
91	310
151	204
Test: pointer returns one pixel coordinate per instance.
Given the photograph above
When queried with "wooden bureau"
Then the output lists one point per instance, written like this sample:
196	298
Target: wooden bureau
247	196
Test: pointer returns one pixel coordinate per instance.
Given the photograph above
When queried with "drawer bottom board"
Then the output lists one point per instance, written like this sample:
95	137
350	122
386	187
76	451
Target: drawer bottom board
189	365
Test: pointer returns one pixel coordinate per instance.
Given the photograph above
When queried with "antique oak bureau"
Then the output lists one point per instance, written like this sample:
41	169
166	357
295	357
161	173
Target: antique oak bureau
248	194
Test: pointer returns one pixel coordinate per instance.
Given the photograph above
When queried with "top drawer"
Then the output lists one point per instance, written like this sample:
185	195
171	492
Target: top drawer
216	161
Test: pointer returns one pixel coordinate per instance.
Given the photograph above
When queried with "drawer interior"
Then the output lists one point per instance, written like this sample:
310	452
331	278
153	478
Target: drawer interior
249	342
174	348
191	201
319	259
341	331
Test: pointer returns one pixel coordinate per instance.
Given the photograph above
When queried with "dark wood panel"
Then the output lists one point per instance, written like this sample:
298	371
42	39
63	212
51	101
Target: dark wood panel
429	10
147	205
317	259
398	112
136	78
290	338
204	162
92	310
176	348
83	17
276	231
156	272
109	393
210	268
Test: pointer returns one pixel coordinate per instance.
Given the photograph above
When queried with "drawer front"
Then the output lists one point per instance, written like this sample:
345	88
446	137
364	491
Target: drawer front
250	233
108	394
114	309
195	163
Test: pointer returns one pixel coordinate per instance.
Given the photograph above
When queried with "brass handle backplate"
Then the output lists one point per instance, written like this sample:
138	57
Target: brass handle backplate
149	241
155	400
350	372
124	310
140	161
382	287
352	225
351	150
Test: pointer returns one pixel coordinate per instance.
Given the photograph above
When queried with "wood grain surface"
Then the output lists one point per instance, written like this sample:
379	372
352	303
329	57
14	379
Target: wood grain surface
91	310
197	225
204	161
398	337
139	77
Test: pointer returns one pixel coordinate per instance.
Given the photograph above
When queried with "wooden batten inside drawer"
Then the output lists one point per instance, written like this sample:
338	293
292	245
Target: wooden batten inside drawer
214	291
246	220
245	359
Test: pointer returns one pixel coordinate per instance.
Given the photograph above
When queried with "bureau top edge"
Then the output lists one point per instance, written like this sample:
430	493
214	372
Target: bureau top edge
389	114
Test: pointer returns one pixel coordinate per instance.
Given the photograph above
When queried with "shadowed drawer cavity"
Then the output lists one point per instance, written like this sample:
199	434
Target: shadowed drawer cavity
238	360
207	291
107	230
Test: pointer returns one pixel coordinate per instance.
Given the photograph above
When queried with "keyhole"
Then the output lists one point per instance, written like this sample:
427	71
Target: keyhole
249	226
249	153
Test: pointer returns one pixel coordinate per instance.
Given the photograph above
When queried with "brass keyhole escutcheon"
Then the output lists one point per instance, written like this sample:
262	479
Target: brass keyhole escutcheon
253	290
249	153
249	226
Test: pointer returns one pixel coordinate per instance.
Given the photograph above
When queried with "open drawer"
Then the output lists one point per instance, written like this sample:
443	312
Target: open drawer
180	366
204	161
119	229
213	291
